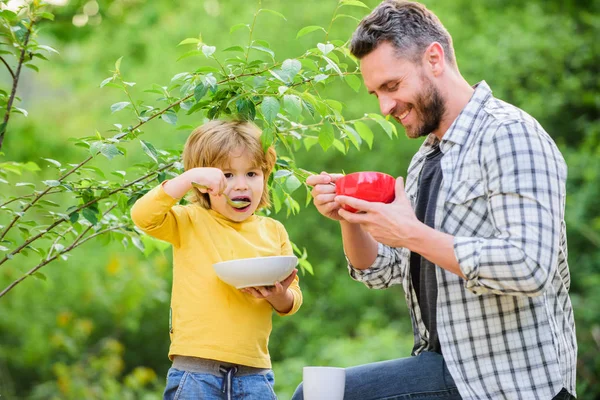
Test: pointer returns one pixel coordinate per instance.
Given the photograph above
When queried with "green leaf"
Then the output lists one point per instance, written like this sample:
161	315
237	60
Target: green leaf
234	48
110	151
149	150
291	67
169	117
387	126
292	183
51	161
74	217
353	3
339	146
365	132
200	91
90	215
325	48
119	106
189	41
353	81
8	15
188	54
353	136
264	50
40	276
309	142
107	80
33	67
208	50
292	104
308	29
47	15
48	203
273	12
51	183
333	65
246	109
29	184
346	16
267	137
48	48
270	108
137	243
280	173
238	26
326	136
118	63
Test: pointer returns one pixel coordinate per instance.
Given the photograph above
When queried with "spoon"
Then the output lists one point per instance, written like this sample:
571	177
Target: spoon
233	203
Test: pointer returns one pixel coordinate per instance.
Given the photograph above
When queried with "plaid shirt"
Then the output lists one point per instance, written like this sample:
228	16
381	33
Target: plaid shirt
508	331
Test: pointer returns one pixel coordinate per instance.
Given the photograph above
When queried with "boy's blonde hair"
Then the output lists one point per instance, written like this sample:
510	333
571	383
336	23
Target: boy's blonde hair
211	145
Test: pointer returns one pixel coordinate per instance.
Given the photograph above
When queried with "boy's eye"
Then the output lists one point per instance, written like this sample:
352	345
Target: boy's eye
228	175
252	174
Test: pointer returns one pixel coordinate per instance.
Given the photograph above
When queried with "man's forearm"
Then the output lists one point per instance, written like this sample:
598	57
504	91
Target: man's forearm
359	246
436	246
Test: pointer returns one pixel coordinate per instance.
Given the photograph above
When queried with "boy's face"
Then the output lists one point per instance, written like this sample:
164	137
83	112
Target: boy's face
245	182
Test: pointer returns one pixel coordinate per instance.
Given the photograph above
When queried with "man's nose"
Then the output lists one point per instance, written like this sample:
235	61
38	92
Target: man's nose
386	105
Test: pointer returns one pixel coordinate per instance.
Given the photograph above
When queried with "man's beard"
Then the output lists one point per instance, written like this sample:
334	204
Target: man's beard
430	108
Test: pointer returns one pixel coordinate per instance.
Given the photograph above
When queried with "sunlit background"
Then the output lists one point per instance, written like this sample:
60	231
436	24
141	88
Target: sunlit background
96	328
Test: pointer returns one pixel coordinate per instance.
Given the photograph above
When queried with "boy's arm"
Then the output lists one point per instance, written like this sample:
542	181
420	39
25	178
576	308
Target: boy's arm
153	213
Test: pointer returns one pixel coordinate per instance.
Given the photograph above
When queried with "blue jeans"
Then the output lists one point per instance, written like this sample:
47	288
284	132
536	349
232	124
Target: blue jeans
420	377
183	385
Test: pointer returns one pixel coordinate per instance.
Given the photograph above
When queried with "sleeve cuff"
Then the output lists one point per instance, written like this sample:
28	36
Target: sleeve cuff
467	251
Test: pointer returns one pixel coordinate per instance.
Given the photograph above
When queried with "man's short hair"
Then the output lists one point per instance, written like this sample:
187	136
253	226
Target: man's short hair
408	26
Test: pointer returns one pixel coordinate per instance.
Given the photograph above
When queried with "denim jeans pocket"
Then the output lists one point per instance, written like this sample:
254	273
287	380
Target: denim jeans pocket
258	387
175	380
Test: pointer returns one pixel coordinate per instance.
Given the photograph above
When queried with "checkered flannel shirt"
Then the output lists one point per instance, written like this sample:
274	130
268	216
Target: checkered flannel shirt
507	331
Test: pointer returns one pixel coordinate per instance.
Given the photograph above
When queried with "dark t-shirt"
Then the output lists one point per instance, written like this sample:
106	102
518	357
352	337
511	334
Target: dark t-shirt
422	270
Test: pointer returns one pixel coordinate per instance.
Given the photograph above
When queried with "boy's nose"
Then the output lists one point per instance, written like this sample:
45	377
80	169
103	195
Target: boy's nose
240	184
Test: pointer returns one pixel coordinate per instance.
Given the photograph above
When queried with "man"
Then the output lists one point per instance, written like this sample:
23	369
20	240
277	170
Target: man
477	237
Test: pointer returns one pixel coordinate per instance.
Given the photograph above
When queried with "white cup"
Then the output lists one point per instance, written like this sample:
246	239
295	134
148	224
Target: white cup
323	383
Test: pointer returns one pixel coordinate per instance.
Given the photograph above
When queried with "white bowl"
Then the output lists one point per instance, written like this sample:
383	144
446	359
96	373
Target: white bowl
257	271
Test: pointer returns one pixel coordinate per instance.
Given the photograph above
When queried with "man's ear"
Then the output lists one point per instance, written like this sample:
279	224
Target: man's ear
434	58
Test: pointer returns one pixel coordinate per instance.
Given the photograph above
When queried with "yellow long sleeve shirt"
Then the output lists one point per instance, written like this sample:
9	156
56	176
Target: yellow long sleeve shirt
209	318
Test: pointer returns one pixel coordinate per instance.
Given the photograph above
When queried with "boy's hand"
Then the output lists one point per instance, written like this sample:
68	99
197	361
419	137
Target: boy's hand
212	178
271	292
278	295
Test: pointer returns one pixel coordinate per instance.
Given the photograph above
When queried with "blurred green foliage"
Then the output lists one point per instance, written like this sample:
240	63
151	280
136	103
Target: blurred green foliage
96	328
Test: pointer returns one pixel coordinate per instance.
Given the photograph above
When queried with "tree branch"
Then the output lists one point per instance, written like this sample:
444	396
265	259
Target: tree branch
16	75
81	207
78	242
8	66
88	159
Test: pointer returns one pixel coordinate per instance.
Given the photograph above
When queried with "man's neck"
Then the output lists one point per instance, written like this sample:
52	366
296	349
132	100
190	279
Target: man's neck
457	93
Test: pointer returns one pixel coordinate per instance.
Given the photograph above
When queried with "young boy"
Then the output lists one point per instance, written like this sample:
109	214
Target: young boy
219	334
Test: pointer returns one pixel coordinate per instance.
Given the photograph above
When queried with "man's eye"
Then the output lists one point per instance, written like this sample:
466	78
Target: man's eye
392	88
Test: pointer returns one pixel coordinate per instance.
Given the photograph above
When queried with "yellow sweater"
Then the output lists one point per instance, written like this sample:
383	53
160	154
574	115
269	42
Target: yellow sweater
209	318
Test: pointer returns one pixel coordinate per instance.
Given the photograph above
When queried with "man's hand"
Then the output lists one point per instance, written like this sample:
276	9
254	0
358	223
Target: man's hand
392	224
323	194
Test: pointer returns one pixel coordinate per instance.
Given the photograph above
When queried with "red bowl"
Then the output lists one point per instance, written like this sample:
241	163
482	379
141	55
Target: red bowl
367	185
